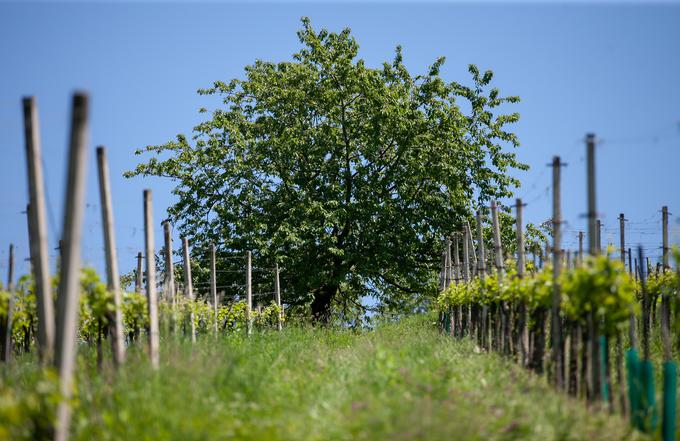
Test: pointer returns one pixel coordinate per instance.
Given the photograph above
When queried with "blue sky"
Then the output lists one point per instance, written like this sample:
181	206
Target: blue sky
611	69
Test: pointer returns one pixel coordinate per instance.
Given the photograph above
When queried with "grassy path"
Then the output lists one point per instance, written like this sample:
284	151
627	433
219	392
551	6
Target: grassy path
401	382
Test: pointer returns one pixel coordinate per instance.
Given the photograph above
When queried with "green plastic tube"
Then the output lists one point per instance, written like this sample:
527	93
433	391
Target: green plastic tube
670	386
633	369
648	397
604	387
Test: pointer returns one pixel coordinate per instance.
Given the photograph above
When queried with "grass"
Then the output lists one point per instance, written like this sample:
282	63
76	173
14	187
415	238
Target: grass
402	381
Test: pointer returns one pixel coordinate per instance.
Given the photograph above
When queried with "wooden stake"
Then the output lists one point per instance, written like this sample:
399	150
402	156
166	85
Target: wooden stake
138	276
466	254
68	291
456	260
8	349
555	323
622	238
481	261
593	247
520	238
473	251
151	296
498	250
213	283
665	299
277	296
169	265
188	284
580	247
112	275
38	232
249	293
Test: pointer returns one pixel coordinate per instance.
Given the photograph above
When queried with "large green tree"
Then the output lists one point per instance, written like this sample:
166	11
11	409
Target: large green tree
347	175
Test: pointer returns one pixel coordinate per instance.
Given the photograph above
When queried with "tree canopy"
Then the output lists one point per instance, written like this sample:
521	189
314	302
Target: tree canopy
348	176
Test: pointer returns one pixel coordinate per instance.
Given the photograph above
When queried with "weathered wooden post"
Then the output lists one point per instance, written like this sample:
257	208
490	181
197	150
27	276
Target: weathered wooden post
665	299
456	327
188	286
7	343
555	323
138	275
580	247
469	328
69	282
213	284
38	232
594	250
521	333
169	265
481	270
151	296
277	296
112	275
473	252
249	293
502	325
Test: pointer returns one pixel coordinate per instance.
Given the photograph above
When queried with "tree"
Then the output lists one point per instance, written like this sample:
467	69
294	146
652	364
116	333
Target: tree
348	176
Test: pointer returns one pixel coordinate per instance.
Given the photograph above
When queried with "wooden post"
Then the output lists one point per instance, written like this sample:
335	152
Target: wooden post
112	275
38	232
7	344
481	261
213	283
594	250
498	250
622	238
522	335
630	262
151	296
447	265
249	293
599	236
665	299
502	316
68	291
555	323
169	265
138	276
473	252
188	284
520	238
466	254
456	259
580	247
277	296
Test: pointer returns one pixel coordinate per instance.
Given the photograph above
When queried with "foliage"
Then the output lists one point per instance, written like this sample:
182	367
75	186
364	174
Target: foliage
600	285
347	175
402	381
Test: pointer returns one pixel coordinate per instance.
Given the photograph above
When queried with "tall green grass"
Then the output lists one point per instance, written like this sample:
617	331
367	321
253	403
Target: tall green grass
402	381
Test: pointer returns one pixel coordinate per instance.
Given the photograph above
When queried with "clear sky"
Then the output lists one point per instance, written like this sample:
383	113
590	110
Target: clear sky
611	69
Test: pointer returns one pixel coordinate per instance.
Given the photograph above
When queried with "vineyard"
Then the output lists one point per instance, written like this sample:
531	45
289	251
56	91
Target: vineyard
351	266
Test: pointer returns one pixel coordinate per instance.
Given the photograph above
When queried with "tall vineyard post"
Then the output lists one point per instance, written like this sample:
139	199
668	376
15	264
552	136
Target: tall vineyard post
37	227
593	249
188	287
213	284
169	265
277	295
7	348
151	296
69	281
112	275
555	323
249	293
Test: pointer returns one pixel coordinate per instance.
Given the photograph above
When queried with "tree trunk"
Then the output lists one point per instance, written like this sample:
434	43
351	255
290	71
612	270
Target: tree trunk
321	305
